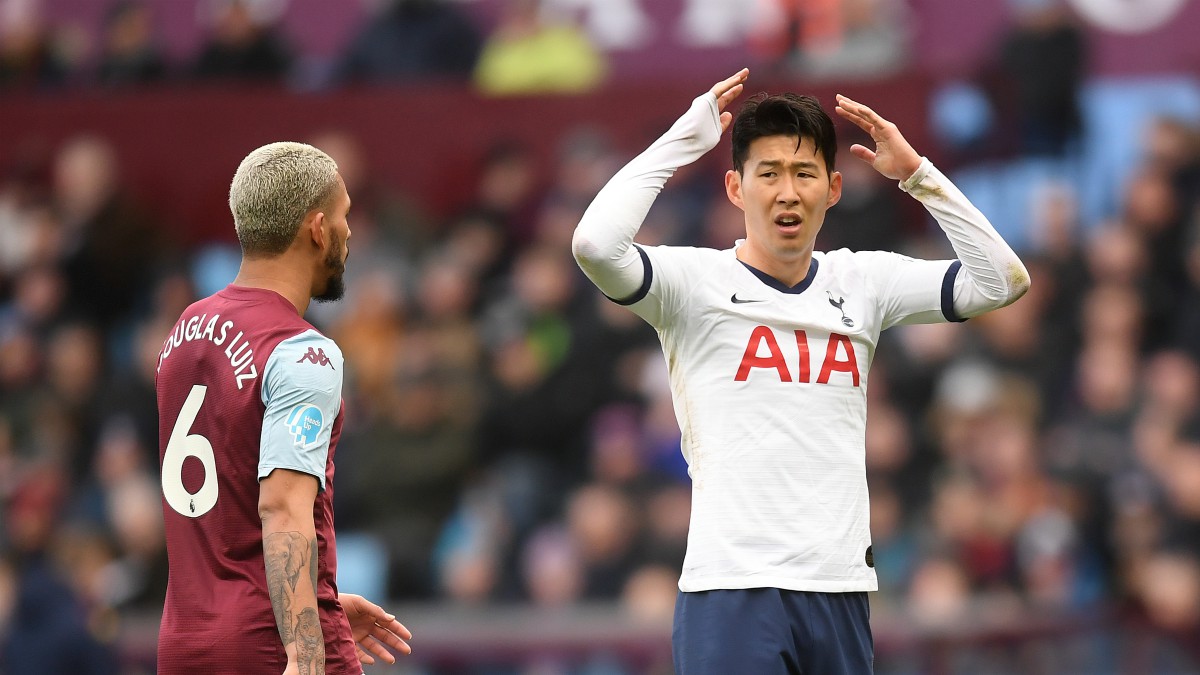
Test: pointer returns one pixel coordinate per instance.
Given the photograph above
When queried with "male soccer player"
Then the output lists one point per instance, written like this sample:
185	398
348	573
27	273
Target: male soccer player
250	411
768	344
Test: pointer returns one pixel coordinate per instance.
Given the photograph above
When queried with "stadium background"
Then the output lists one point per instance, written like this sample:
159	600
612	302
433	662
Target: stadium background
510	478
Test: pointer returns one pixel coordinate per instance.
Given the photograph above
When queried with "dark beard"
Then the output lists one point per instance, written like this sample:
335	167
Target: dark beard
335	285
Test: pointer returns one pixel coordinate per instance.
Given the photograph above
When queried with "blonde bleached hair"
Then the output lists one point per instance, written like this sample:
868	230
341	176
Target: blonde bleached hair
273	189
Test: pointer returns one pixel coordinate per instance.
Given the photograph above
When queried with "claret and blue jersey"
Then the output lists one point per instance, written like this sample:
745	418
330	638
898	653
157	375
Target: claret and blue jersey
245	386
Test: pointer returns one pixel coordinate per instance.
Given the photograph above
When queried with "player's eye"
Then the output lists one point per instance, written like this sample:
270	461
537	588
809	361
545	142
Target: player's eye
768	174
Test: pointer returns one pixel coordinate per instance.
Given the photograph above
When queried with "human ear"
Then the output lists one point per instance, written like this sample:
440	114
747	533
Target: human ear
835	189
317	228
733	188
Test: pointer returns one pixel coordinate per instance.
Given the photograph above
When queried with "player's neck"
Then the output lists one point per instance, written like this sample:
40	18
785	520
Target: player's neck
789	270
279	275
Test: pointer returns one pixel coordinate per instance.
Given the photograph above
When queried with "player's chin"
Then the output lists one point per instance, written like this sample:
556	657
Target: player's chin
335	288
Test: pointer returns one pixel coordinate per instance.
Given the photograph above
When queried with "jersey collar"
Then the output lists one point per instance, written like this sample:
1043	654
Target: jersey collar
779	285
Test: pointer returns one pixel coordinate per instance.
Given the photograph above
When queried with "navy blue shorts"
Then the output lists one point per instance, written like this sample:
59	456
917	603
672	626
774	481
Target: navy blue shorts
767	630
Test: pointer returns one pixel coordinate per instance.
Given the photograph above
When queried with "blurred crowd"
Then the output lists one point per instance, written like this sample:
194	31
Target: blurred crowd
503	47
510	436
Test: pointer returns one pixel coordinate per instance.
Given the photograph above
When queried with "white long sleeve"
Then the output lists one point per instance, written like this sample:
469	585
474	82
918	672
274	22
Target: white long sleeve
992	275
603	240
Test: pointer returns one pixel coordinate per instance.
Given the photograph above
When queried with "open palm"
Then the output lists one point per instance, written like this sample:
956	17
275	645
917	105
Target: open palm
374	629
892	156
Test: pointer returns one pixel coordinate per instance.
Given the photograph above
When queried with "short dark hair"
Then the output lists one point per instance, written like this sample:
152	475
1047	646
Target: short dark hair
783	115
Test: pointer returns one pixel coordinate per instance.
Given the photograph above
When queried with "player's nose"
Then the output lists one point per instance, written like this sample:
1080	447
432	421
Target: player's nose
788	194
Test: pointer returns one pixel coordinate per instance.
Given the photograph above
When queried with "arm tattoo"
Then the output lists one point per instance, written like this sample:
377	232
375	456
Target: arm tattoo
285	554
310	644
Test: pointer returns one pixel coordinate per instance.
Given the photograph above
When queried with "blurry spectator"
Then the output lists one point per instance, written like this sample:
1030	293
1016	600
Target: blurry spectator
616	451
864	219
1056	571
1056	229
482	246
64	408
892	540
242	44
845	39
1043	53
30	235
603	525
110	249
1171	390
1173	146
542	371
372	327
1151	211
502	210
551	569
413	40
51	633
1169	588
586	159
122	496
968	530
939	594
29	57
129	389
649	594
667	511
963	120
1019	340
39	296
471	545
873	43
525	55
129	54
1117	256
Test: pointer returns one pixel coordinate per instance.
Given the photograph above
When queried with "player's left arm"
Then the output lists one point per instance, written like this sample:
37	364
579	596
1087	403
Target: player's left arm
374	629
301	396
285	505
991	275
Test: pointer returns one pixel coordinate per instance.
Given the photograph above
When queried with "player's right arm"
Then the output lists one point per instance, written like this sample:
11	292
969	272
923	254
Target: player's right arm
603	241
285	505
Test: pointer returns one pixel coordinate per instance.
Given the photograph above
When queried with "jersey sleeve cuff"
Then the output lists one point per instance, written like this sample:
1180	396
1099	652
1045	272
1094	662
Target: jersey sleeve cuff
919	175
265	470
948	293
647	277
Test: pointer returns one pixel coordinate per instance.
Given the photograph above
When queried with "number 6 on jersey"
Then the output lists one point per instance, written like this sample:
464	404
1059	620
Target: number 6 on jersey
181	446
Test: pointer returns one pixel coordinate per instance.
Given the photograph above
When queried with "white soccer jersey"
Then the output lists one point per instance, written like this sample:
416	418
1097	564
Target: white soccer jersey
769	382
769	387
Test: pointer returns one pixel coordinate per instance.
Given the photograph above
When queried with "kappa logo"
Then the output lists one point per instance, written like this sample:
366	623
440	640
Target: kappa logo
846	321
316	356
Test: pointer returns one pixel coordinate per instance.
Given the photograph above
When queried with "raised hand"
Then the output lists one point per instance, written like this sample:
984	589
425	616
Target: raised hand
893	156
726	90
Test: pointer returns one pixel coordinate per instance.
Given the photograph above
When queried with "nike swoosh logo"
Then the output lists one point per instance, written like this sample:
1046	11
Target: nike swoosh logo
738	301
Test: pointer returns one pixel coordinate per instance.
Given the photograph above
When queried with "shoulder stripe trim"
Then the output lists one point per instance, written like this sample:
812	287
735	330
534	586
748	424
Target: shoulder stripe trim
948	293
648	276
